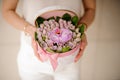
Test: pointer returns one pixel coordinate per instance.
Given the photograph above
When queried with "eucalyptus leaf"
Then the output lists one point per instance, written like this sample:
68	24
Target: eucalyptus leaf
65	49
81	28
59	51
58	18
82	35
75	20
49	50
51	18
35	35
66	17
39	20
43	38
36	24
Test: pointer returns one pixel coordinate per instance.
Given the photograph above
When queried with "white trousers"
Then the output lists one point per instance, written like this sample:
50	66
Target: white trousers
30	68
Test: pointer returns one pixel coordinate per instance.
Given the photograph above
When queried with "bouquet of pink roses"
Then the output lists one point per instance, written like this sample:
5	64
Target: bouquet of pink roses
57	36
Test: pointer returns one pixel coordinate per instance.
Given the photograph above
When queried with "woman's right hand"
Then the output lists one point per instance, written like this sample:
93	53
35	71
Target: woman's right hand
35	47
30	29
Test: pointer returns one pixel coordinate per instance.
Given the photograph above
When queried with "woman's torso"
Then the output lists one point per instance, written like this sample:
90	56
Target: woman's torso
33	8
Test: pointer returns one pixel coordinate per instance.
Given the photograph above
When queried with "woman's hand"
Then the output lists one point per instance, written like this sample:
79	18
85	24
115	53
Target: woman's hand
35	47
83	45
87	18
30	29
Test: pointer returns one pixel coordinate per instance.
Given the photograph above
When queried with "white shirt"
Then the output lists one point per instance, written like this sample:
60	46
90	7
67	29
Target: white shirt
32	7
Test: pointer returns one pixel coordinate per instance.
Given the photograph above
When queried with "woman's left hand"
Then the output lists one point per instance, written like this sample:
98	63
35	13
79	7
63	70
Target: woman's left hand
83	45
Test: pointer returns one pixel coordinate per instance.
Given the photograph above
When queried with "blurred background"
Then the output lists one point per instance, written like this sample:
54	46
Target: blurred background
101	59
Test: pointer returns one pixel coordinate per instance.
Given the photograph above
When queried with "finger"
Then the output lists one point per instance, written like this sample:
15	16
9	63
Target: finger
83	42
82	45
35	47
79	55
80	52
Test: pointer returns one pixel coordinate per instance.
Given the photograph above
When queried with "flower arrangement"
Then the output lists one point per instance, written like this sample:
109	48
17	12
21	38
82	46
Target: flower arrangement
58	37
58	34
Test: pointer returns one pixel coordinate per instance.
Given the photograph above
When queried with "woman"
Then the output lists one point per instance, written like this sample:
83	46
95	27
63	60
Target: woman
29	62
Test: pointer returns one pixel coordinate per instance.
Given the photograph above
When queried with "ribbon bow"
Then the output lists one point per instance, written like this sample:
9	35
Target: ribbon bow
53	57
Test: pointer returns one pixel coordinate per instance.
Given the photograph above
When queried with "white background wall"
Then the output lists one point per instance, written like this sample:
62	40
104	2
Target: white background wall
101	60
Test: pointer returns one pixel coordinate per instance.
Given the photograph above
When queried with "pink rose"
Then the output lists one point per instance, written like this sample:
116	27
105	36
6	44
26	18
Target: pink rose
58	35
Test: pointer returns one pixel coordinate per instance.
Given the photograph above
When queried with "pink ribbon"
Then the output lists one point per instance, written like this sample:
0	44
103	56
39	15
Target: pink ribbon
44	55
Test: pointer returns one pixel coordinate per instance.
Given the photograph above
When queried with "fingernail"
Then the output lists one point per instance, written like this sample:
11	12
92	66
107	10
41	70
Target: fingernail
75	60
81	48
34	44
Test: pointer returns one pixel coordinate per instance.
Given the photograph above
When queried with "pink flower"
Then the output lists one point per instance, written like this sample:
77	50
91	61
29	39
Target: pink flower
58	35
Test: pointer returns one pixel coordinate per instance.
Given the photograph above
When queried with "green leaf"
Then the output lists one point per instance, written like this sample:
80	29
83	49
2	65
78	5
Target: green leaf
43	38
36	24
81	28
66	17
75	20
59	51
35	35
49	50
65	49
39	20
82	35
58	18
51	18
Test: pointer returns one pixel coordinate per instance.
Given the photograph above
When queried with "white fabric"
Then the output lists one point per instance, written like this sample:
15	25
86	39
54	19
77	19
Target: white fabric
51	8
31	7
30	68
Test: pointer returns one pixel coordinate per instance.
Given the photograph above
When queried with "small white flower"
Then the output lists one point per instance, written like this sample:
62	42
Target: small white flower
48	29
46	23
69	23
72	27
44	32
77	39
74	35
65	24
59	48
45	45
74	44
50	22
70	44
78	35
56	24
54	47
42	26
61	23
77	30
52	26
49	42
45	27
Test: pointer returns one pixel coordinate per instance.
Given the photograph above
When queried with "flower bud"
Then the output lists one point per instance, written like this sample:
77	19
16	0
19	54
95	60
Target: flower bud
54	47
77	39
44	32
59	48
74	35
77	30
46	23
42	26
78	35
